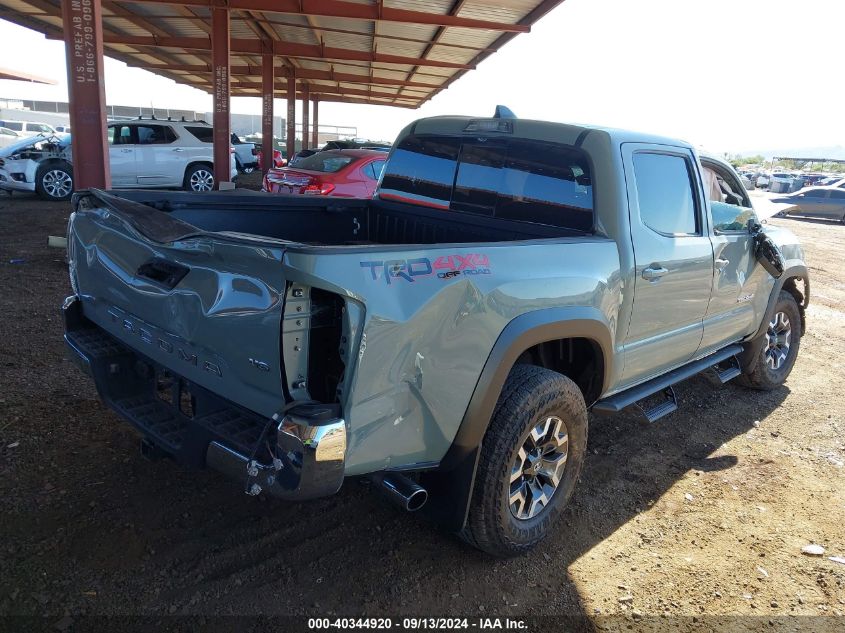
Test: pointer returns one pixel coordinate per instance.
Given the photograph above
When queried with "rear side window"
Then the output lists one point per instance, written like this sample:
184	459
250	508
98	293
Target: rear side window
664	193
17	126
326	162
548	184
421	170
155	134
201	133
513	179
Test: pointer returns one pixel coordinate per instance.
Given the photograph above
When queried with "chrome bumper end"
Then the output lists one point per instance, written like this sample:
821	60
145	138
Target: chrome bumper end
309	463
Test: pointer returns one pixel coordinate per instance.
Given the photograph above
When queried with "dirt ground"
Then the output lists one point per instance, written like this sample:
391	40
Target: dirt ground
702	513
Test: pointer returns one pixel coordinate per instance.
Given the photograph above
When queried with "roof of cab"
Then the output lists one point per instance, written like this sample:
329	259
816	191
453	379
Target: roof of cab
567	133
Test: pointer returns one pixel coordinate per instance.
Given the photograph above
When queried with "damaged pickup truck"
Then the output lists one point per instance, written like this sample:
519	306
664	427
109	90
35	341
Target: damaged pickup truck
445	339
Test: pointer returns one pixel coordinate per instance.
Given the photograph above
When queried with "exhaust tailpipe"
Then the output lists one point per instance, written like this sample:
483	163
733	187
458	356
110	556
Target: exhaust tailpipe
401	490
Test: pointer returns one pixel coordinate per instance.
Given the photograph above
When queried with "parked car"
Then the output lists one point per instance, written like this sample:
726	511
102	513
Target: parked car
63	129
279	159
821	202
762	181
246	155
143	154
747	181
781	182
7	137
445	338
812	179
347	173
28	128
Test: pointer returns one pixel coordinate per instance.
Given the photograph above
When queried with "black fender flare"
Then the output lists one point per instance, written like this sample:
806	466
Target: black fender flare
450	485
752	344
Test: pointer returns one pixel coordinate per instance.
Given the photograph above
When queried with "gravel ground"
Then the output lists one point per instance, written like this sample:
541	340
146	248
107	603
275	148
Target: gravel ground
704	512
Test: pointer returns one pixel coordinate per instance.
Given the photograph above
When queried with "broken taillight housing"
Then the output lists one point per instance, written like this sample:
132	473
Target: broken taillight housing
319	189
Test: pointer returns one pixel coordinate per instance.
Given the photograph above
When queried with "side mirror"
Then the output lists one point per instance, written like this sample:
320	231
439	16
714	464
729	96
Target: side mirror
754	226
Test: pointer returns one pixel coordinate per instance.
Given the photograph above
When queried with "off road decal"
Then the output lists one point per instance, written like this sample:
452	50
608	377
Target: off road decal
444	267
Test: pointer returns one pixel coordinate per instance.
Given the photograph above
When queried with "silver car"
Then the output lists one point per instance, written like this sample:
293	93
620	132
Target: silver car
821	202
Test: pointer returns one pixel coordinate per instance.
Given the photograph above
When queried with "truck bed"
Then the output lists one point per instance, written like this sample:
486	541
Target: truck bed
335	221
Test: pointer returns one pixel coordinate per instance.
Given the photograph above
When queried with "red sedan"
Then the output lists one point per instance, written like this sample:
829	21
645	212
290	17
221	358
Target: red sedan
346	173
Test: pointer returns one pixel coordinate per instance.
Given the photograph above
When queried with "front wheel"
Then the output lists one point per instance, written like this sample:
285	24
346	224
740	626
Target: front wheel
54	181
779	347
531	457
199	178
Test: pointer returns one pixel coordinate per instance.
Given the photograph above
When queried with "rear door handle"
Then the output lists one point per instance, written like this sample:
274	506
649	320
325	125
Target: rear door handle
653	274
177	149
722	263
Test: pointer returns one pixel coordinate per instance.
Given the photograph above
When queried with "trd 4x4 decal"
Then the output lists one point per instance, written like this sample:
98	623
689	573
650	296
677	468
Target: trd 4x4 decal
444	267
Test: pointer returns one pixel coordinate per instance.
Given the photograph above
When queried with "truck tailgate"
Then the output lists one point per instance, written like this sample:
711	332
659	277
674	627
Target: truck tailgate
177	296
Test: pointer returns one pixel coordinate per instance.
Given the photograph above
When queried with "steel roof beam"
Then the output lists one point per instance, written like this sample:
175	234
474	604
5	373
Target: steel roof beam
318	89
342	9
302	73
284	49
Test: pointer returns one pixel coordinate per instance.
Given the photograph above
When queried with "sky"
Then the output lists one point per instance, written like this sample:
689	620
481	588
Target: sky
726	75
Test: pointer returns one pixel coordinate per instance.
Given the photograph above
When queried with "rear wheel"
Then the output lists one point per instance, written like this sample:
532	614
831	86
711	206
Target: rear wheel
779	348
54	181
531	457
199	178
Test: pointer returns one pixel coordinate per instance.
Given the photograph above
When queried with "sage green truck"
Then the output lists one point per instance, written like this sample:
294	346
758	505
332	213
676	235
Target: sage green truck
445	339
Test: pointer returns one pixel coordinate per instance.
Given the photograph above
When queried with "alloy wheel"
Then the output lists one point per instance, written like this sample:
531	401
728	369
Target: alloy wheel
538	468
778	339
202	180
57	183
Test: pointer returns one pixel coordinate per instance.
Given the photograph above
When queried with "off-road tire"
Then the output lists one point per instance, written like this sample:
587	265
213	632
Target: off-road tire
530	394
760	375
54	189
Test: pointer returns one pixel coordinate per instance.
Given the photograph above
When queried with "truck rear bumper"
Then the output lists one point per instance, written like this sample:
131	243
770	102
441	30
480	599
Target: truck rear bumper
296	455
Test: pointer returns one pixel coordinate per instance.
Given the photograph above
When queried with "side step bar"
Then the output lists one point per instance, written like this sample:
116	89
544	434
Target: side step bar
619	401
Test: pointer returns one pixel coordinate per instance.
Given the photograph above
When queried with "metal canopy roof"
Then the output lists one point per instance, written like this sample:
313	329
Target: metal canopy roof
386	52
8	73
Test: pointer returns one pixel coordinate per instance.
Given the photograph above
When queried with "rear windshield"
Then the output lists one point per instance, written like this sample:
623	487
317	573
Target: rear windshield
202	133
514	179
327	162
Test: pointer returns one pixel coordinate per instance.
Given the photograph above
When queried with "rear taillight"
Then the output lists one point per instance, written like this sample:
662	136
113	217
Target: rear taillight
254	152
319	189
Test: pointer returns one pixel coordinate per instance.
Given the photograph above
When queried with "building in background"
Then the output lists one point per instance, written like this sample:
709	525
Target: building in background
56	113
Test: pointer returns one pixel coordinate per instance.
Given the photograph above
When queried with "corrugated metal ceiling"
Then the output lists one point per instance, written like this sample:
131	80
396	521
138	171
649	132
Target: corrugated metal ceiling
357	50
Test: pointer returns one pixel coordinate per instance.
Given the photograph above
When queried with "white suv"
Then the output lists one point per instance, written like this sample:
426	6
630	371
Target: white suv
28	128
149	153
143	154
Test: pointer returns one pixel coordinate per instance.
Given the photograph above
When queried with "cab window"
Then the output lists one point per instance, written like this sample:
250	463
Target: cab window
665	194
729	204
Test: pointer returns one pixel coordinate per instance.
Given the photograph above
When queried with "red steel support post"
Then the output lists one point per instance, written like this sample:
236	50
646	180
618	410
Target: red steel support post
291	125
222	87
267	92
315	134
306	105
83	30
